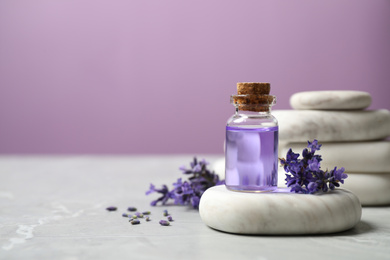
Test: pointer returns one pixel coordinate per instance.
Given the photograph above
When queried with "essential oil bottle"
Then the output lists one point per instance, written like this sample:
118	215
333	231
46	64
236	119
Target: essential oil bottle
251	146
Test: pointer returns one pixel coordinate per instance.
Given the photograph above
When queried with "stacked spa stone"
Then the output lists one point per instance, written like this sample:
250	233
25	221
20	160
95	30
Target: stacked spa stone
352	137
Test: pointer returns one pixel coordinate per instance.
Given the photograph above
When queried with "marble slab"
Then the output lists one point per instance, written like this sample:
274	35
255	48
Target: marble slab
372	189
279	213
333	100
53	207
365	157
328	126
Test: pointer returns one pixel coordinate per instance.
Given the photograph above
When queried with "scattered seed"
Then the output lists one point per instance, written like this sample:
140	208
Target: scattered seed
146	213
134	216
165	213
135	222
147	218
132	209
111	208
164	223
131	219
139	215
170	219
125	215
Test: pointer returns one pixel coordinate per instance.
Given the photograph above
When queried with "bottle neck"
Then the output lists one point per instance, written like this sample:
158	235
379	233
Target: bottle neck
266	112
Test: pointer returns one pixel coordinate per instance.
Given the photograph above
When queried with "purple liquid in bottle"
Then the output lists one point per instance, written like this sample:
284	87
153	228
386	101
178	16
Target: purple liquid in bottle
251	158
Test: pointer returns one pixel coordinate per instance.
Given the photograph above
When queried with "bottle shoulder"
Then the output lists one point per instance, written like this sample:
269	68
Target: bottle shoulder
267	120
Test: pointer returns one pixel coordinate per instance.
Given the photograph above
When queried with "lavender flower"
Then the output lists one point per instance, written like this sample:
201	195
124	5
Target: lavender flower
314	146
188	191
195	201
166	194
297	188
314	165
312	187
337	177
306	175
291	157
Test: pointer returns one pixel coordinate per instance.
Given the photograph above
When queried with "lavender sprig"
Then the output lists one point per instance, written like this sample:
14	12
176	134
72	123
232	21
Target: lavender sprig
189	191
306	175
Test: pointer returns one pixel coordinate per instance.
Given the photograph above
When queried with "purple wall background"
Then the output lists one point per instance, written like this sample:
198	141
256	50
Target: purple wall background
155	76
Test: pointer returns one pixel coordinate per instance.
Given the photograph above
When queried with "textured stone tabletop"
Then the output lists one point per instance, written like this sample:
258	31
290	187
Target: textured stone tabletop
54	208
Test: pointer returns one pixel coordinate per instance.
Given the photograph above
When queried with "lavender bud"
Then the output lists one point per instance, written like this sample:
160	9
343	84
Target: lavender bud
135	222
165	213
170	219
134	216
146	213
125	215
132	209
164	223
147	219
140	215
111	208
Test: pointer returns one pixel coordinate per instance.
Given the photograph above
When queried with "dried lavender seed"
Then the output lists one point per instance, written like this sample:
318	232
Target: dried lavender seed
135	222
164	223
132	209
170	218
165	213
140	215
111	208
125	215
134	216
146	213
147	219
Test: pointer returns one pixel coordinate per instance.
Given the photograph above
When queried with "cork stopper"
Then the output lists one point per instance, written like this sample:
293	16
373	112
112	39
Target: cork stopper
258	88
253	96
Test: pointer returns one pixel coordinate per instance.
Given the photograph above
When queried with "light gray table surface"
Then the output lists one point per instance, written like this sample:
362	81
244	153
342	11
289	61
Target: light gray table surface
53	207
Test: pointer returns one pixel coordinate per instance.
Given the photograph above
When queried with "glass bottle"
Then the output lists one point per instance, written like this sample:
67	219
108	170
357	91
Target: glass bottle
251	146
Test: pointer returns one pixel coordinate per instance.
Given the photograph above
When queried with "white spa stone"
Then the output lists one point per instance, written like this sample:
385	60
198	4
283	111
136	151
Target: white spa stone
332	126
365	157
336	99
282	213
372	189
